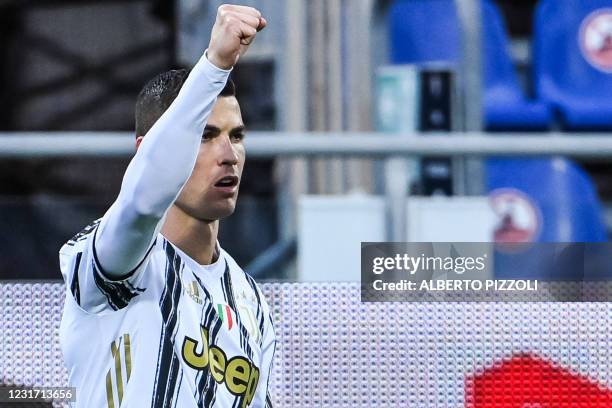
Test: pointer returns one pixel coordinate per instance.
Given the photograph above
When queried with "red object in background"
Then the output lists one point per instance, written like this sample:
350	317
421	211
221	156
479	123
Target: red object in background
527	381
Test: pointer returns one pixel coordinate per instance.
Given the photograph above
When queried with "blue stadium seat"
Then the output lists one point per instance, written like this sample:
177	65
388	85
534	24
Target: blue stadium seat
562	191
578	89
569	211
505	104
425	31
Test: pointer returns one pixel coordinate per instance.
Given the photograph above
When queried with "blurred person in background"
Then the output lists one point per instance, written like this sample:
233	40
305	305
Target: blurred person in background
157	314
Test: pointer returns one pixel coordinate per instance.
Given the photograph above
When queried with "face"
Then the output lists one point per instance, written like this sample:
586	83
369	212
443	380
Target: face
212	189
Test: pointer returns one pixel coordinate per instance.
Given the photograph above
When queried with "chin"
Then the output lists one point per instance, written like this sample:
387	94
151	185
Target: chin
220	212
226	214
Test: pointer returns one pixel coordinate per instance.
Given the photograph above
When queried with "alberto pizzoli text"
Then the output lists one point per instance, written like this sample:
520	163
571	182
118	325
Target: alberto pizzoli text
458	285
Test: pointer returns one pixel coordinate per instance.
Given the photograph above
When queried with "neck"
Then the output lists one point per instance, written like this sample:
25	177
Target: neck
194	237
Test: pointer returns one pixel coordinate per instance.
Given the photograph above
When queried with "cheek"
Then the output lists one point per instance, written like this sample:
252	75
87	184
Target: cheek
189	191
241	159
202	169
199	179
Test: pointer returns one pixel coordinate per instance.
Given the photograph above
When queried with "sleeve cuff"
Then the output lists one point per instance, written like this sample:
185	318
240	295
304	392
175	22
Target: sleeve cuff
211	69
106	276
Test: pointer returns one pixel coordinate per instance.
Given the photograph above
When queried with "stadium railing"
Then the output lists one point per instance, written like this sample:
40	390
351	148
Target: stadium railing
369	144
389	147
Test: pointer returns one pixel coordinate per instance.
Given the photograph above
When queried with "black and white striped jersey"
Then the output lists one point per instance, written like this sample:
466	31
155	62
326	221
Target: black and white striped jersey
172	334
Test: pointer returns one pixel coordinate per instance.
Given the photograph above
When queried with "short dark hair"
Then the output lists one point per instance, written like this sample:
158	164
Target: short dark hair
159	93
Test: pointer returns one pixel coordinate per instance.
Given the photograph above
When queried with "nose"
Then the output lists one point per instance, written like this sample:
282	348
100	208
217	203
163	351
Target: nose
227	154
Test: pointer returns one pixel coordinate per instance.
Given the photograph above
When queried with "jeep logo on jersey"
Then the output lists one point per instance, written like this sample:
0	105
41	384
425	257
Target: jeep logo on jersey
238	373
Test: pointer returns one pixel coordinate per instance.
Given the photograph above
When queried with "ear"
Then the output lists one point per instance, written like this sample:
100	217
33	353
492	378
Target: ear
138	141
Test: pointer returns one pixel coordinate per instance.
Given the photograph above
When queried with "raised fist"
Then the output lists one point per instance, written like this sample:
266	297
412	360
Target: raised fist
234	30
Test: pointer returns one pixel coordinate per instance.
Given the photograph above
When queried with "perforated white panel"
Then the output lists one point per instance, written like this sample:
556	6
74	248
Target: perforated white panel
334	351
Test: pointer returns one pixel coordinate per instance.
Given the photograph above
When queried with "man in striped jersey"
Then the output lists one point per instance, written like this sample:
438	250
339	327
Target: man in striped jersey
157	314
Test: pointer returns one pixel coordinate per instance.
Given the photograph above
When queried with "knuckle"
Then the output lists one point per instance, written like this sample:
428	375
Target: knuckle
255	11
223	11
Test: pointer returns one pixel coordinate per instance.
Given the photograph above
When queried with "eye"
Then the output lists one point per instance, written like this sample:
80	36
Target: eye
207	135
238	136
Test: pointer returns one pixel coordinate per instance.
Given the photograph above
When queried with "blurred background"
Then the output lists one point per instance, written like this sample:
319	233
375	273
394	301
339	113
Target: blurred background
380	73
369	120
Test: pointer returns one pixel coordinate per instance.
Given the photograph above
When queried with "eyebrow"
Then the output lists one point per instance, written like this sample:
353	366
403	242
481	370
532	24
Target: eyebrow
211	128
238	129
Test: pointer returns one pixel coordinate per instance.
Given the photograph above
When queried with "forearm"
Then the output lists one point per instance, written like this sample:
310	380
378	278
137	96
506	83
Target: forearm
157	173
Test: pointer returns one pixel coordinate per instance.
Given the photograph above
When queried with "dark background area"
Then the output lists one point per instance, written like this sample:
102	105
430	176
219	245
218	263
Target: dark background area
518	14
78	65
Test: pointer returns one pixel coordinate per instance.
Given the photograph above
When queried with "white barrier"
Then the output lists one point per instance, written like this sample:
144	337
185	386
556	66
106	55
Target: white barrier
335	351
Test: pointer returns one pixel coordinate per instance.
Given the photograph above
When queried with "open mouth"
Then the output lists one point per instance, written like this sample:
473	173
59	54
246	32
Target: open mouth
228	181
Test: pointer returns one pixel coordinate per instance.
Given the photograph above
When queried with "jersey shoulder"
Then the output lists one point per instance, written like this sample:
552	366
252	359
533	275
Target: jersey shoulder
71	253
78	241
93	290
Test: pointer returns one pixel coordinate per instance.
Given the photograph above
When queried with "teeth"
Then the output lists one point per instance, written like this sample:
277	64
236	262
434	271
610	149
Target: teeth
225	182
